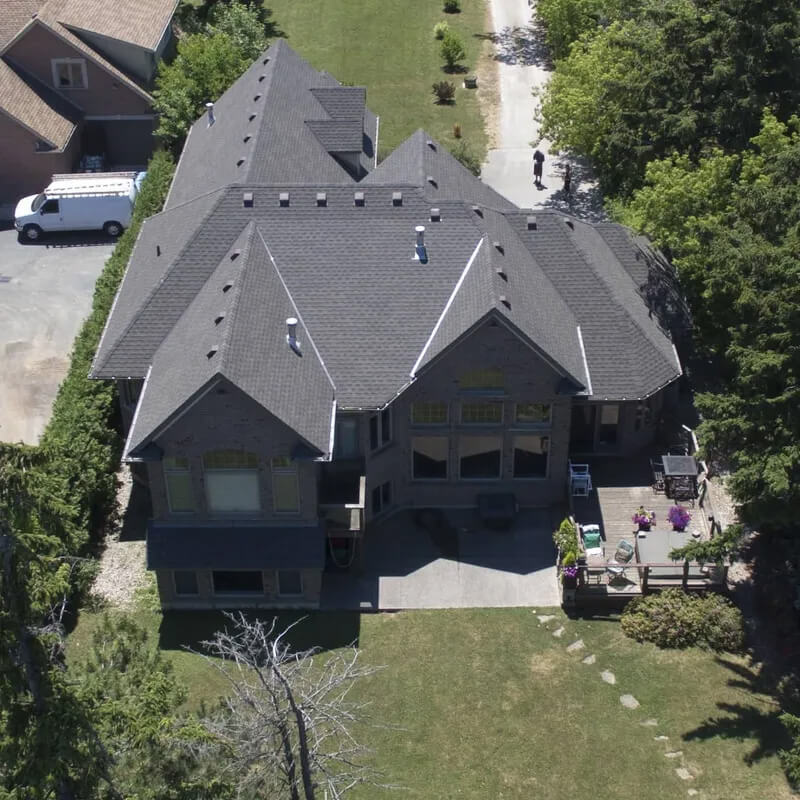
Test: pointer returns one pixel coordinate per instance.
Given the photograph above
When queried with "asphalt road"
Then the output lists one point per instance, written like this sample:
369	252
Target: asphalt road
45	294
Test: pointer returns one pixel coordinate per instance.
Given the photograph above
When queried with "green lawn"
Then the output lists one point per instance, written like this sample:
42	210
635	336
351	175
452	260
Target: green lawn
388	46
490	704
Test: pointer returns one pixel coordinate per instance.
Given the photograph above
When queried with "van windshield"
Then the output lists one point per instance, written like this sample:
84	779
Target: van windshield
37	202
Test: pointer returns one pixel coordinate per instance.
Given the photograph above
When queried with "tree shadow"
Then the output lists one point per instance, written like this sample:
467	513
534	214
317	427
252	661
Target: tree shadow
744	720
520	46
584	200
327	630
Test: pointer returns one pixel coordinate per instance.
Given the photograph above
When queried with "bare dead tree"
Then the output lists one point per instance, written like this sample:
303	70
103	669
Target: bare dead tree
285	730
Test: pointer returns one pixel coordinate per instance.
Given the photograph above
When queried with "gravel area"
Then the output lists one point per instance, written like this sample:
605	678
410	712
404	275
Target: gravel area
122	565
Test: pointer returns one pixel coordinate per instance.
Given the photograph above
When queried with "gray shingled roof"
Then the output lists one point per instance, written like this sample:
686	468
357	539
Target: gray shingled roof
235	546
235	328
270	104
376	314
338	135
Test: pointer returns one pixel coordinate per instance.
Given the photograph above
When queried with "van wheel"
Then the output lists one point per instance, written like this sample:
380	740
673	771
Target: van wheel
32	232
112	229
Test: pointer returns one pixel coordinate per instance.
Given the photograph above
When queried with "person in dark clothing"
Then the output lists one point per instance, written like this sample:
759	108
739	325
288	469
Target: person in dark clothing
538	160
567	178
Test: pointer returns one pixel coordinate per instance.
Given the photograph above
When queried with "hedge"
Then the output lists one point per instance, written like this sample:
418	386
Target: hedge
82	442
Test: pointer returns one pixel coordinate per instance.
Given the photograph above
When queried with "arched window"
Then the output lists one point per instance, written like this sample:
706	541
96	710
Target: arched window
231	478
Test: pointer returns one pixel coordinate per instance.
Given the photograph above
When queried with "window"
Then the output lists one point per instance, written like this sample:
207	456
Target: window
231	478
290	582
532	414
178	478
479	457
429	413
285	490
381	498
609	417
50	207
482	379
380	429
481	413
644	414
345	443
530	456
429	458
69	73
238	582
185	582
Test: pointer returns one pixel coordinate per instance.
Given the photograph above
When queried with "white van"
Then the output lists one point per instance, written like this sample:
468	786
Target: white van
80	202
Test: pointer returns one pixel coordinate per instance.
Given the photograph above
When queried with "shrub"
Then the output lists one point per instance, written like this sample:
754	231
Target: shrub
674	618
444	91
456	130
452	50
790	759
440	29
466	156
452	6
565	539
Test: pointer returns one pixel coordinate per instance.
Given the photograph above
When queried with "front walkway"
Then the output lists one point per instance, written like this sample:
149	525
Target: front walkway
460	565
524	65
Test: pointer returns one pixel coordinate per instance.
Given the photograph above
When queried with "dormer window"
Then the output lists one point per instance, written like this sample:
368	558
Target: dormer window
69	73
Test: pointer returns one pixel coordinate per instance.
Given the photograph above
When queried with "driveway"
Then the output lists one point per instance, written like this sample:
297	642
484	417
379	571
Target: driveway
45	294
460	565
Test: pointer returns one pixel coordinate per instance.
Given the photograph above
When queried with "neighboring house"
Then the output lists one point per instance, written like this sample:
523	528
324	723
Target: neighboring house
296	356
73	81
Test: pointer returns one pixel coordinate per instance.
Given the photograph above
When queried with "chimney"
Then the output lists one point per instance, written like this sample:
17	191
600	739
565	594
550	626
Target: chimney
420	253
211	117
291	336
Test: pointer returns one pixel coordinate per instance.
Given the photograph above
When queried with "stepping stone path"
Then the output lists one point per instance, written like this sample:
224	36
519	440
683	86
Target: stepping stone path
692	792
589	659
684	774
559	632
661	738
545	618
673	753
575	646
629	701
608	677
649	723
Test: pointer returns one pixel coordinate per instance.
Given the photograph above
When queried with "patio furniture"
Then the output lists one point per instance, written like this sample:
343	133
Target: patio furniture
623	554
657	467
580	481
497	509
680	472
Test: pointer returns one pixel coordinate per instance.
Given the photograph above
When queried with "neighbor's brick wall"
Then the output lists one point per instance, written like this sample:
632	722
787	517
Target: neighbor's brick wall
231	421
528	379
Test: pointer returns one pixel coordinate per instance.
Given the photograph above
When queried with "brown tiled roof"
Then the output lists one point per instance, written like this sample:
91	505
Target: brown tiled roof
37	107
140	22
14	15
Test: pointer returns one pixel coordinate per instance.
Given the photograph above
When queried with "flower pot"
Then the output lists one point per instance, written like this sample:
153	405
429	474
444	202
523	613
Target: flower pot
644	526
570	581
679	528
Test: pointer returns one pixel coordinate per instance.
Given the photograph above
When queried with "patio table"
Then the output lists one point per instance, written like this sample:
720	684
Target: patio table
679	469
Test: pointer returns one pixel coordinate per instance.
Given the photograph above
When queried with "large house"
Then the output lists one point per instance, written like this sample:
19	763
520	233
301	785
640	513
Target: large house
306	340
74	78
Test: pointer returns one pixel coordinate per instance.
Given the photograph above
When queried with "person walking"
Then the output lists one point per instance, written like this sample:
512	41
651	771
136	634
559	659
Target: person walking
538	160
567	178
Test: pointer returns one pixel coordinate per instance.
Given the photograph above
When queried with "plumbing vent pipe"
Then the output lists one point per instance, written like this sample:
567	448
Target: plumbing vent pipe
291	335
420	253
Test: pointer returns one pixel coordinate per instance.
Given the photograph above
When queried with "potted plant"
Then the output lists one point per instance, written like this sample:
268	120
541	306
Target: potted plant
569	571
644	519
679	517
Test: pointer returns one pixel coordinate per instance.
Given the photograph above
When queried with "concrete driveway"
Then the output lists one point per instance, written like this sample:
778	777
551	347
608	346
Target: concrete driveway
45	294
461	566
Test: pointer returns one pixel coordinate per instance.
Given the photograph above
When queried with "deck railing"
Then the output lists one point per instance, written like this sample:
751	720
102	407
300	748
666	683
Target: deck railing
669	574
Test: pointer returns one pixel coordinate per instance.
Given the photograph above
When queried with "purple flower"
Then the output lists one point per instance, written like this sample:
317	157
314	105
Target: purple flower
571	572
678	516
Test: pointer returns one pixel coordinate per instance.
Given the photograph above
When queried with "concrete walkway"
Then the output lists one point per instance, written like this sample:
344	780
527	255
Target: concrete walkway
523	64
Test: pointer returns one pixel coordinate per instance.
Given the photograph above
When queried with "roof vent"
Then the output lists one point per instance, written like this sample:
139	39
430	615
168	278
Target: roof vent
251	117
257	98
501	273
211	118
219	318
212	352
247	199
569	223
158	249
397	198
499	247
431	144
436	215
235	254
291	334
240	162
265	61
478	210
227	287
322	199
505	301
358	199
261	78
420	253
247	138
432	181
283	199
531	223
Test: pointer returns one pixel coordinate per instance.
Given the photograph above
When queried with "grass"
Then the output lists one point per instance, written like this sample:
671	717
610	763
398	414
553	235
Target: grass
388	46
490	704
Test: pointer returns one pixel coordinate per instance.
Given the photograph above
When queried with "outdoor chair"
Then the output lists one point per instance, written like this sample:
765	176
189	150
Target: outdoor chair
657	467
592	542
623	554
580	481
